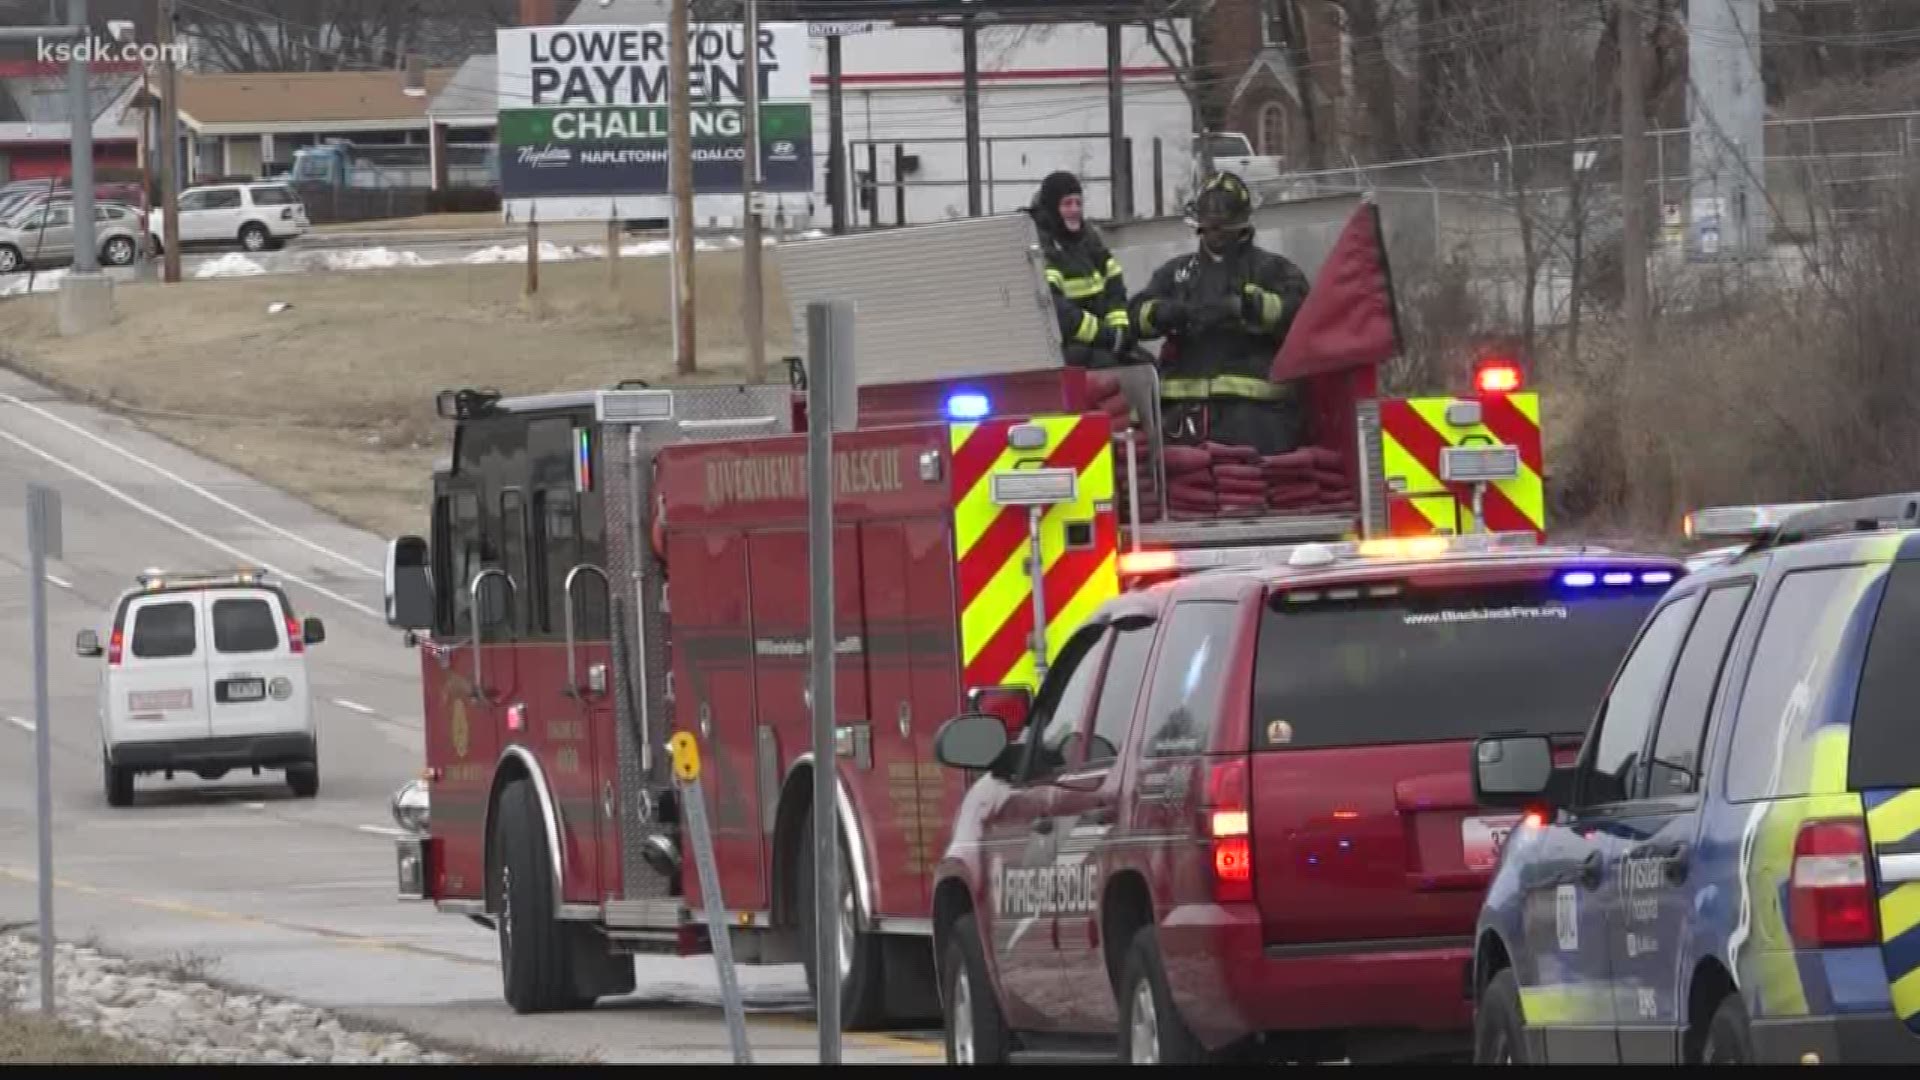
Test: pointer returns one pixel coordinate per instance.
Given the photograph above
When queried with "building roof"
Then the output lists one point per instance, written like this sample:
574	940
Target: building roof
472	93
308	100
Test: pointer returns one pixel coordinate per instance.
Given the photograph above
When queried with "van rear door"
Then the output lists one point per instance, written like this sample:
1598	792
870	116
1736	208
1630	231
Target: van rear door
1366	701
160	687
256	681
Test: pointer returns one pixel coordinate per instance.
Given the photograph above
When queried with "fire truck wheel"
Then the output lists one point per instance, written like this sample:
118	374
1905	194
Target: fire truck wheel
976	1032
533	945
862	1006
1151	1031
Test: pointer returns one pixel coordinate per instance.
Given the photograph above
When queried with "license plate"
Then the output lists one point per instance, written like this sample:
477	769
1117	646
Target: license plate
1482	838
156	701
243	690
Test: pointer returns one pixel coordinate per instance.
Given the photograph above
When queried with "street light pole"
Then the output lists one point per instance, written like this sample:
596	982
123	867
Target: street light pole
753	302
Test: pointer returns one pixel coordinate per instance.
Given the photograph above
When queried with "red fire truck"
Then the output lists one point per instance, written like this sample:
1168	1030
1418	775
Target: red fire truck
608	567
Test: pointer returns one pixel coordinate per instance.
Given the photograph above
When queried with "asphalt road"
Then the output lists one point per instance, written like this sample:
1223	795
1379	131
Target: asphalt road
284	896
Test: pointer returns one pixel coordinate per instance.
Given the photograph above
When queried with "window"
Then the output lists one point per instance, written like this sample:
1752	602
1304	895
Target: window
1119	693
468	556
244	626
556	514
273	195
193	200
59	216
1883	749
165	631
513	545
1062	705
1675	768
1438	665
1790	684
1188	678
1633	703
222	199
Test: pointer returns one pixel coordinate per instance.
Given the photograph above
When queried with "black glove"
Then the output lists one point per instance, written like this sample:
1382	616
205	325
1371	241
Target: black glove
1112	338
1170	315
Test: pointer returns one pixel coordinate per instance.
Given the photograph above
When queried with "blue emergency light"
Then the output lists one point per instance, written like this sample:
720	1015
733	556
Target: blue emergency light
1586	579
968	406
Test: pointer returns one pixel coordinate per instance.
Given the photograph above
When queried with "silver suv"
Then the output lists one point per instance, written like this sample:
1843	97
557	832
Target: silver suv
42	235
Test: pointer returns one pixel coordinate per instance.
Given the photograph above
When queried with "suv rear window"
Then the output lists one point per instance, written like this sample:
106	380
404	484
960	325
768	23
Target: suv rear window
164	631
244	625
1438	665
1882	750
273	196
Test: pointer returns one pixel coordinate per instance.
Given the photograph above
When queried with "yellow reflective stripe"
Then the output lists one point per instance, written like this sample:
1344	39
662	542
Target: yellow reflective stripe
1896	819
1077	288
1420	488
1113	268
1906	994
1527	491
1564	1004
1117	318
1222	386
1146	316
1272	306
1088	330
1899	913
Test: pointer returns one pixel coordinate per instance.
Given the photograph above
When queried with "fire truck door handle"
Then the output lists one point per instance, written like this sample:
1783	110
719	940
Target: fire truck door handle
478	616
906	719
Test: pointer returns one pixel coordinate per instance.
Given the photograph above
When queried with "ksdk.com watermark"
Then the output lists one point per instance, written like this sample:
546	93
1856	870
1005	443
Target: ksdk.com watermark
100	51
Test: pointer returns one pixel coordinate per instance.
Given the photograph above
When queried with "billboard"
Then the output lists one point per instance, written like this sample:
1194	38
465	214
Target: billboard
584	109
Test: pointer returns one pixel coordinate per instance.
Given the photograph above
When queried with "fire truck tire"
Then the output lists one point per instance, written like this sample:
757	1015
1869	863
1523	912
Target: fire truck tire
976	1032
862	1002
1151	1030
534	951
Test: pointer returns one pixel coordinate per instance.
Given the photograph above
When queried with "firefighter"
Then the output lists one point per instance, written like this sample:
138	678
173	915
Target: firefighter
1089	292
1223	311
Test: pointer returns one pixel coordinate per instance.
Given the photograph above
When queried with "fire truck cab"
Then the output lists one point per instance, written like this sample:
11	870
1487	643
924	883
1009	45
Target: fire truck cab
608	567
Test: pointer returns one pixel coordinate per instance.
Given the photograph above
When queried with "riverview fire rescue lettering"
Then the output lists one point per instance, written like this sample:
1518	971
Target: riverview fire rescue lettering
784	476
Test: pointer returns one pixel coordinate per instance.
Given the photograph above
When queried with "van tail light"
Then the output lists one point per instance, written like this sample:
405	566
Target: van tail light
1228	823
295	642
1830	900
115	644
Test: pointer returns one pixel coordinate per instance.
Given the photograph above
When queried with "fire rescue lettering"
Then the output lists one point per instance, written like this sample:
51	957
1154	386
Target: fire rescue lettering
784	476
1047	890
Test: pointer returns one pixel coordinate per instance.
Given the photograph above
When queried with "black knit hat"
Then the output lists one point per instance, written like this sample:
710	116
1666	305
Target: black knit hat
1046	202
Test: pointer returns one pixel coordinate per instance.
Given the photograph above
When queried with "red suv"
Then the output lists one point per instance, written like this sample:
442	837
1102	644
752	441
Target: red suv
1238	820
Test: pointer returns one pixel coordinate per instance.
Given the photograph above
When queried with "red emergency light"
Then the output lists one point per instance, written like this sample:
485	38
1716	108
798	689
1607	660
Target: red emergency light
1496	375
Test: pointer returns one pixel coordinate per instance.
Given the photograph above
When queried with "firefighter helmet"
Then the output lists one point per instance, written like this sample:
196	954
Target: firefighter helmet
1223	203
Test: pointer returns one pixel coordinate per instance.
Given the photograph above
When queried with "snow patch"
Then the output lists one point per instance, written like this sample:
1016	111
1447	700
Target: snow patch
232	264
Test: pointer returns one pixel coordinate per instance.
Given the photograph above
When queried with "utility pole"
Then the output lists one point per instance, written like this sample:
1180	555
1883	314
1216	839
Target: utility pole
168	142
680	180
86	249
753	303
1633	179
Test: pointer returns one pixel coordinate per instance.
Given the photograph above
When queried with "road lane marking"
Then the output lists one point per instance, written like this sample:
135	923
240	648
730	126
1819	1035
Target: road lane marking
62	582
23	725
354	706
376	944
193	487
188	529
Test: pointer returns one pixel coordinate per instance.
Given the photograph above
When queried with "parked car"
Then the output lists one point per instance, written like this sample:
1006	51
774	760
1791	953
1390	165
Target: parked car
1729	873
1237	819
257	216
42	235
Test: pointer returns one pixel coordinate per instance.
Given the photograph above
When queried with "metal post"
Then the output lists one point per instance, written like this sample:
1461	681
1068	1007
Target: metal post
168	136
826	325
681	159
686	770
970	93
86	253
753	301
1037	571
899	183
1159	178
836	138
43	540
1119	168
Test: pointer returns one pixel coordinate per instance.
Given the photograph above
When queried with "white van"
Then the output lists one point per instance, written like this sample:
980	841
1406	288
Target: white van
205	673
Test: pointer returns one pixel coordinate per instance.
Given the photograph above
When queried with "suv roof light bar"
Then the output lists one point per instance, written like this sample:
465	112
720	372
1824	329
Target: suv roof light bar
153	579
1772	525
1321	553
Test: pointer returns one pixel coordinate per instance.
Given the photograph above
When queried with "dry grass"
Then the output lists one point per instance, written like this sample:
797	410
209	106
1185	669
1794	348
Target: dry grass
479	219
31	1039
332	399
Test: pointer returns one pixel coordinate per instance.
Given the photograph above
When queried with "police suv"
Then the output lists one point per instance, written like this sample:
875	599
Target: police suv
1238	820
1729	871
205	673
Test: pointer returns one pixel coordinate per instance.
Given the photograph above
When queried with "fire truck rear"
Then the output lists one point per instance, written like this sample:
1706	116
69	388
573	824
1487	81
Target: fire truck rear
608	567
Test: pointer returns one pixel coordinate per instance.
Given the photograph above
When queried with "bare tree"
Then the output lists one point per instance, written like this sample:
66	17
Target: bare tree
332	35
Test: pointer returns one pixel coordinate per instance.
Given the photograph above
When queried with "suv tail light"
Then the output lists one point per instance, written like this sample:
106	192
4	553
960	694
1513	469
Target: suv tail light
1227	819
115	643
1830	900
295	642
